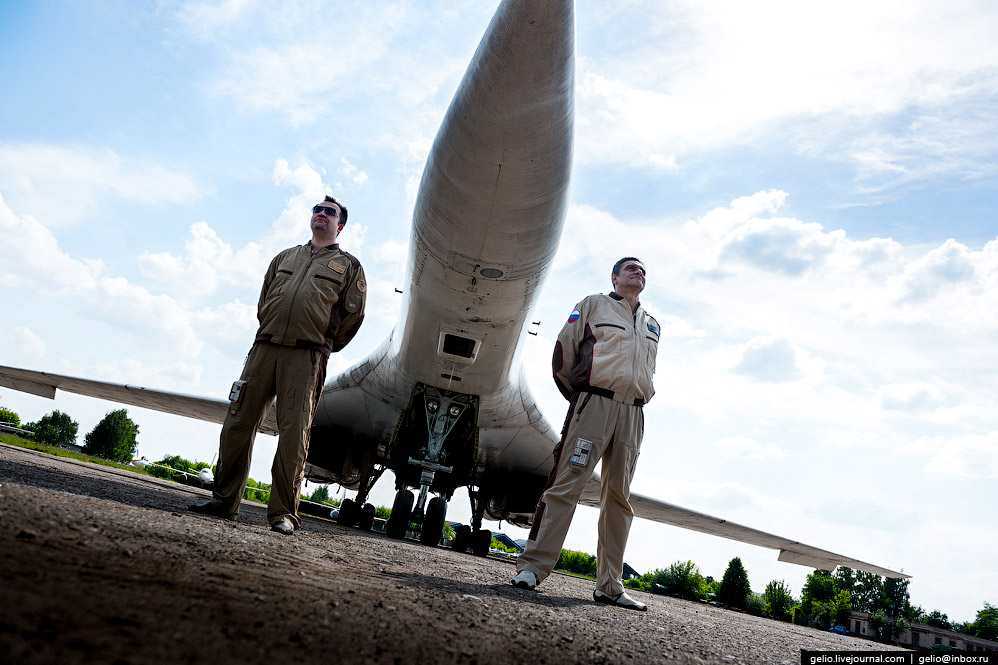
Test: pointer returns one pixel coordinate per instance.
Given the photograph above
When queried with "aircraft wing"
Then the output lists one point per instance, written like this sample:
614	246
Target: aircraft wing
45	384
791	551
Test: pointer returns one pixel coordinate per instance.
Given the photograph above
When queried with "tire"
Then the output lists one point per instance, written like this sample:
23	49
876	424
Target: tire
349	512
462	538
481	541
366	520
433	522
398	522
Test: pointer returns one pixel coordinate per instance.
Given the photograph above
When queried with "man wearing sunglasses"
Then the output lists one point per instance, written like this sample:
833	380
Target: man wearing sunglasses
603	364
311	305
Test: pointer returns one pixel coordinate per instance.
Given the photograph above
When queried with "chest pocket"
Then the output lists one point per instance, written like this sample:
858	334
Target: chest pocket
281	280
327	284
609	335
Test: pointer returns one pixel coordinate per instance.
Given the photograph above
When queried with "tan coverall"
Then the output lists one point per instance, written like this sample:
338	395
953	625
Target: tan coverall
603	362
309	307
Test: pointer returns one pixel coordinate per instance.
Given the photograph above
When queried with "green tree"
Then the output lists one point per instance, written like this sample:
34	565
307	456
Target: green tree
755	605
778	601
818	593
833	612
579	563
896	597
55	428
845	579
113	438
868	593
681	578
9	417
986	624
256	491
320	494
937	619
879	621
734	585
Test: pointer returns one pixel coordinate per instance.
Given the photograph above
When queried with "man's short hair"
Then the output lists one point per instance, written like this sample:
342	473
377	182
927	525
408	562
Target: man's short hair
620	264
343	209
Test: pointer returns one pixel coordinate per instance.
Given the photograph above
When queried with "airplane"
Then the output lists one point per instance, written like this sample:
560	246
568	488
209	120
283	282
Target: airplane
443	402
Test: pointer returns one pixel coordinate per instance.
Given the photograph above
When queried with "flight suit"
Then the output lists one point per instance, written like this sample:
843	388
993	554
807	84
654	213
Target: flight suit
603	363
309	306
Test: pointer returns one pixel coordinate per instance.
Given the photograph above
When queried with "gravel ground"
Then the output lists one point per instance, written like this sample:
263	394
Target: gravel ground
102	565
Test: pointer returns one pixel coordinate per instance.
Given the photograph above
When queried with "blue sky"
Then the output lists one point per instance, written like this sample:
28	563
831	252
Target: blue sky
812	188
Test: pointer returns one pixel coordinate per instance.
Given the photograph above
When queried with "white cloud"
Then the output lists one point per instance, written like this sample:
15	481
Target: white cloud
941	268
207	263
160	320
21	344
776	359
348	170
783	245
46	178
863	512
919	397
30	255
290	68
903	91
178	376
967	456
745	447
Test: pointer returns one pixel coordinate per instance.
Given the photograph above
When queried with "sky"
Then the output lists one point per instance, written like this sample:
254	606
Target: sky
813	188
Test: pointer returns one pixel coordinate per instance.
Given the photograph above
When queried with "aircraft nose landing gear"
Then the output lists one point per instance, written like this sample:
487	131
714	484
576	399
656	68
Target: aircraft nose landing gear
449	425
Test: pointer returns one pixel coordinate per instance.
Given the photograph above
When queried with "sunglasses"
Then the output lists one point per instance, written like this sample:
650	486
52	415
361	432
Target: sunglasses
330	212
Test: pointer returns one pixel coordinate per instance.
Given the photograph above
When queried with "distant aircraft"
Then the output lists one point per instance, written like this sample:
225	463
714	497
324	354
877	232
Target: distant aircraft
443	402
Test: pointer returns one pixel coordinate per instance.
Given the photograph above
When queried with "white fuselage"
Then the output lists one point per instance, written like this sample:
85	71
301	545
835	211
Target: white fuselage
486	225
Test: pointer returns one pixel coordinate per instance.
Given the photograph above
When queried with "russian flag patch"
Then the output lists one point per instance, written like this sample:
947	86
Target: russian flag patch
574	316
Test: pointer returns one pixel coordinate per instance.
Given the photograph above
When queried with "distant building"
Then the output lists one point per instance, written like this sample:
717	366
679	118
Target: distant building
922	636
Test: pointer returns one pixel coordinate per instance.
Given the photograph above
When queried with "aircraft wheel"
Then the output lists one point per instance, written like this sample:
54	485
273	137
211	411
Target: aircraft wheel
366	519
481	540
433	523
398	521
349	512
462	538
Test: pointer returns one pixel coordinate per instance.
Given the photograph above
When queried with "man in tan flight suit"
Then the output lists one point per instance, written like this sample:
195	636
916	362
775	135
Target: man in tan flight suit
311	305
603	364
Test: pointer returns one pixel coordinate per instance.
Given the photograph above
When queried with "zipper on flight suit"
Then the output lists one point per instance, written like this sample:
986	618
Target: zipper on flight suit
299	279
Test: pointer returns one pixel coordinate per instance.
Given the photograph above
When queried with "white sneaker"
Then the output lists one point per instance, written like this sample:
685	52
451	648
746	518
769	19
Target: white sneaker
623	600
524	580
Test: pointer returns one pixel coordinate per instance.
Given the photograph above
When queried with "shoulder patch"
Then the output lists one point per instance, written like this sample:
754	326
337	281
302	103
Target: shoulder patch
574	316
653	326
362	285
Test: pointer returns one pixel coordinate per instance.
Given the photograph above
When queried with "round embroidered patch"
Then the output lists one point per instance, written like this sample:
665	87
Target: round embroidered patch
362	286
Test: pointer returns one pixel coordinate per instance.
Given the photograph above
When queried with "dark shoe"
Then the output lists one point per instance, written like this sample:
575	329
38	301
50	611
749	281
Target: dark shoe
283	526
213	509
623	600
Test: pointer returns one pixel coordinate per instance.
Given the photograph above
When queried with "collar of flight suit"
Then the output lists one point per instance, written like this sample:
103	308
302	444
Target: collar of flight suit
617	296
335	245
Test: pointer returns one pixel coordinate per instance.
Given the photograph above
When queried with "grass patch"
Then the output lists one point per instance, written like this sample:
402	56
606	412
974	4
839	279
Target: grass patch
14	440
572	574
